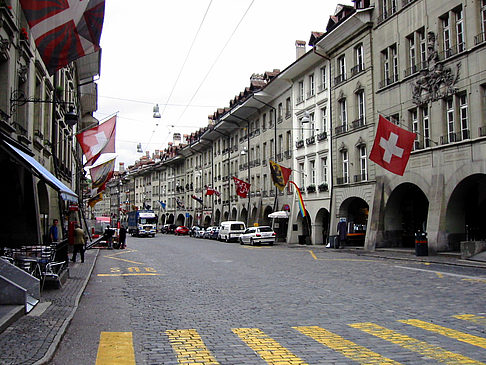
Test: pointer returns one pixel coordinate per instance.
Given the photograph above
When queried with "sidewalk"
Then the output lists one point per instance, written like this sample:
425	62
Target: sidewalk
33	338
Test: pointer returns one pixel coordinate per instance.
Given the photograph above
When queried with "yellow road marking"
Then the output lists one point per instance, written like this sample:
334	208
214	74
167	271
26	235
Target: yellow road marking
313	255
476	280
189	347
472	318
132	262
412	344
268	349
115	348
121	253
349	349
440	275
444	331
130	274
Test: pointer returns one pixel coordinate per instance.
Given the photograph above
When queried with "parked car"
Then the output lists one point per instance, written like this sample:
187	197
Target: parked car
168	228
199	233
208	232
214	233
231	230
181	230
193	231
258	235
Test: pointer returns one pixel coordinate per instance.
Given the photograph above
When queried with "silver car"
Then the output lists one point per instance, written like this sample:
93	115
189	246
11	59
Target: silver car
258	235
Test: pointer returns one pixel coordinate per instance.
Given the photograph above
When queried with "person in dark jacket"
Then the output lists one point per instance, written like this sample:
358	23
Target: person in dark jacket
79	242
122	236
342	229
108	236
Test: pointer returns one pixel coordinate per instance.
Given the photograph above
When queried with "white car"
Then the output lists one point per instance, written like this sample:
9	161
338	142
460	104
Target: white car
258	235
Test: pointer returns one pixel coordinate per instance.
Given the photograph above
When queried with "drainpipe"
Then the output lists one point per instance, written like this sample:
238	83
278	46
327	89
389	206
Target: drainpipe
331	188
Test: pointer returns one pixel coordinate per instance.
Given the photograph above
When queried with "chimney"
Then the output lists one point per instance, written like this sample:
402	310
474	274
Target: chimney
299	49
122	167
177	139
147	154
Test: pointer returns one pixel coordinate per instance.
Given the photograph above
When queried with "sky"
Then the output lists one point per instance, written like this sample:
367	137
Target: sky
191	57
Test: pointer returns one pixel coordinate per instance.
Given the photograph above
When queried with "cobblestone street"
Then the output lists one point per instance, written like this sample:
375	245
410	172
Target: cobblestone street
199	301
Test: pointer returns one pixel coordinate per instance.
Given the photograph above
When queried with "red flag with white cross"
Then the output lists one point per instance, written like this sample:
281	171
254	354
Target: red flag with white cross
98	140
392	146
242	187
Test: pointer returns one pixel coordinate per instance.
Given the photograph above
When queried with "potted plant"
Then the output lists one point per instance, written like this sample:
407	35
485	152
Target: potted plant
311	188
323	187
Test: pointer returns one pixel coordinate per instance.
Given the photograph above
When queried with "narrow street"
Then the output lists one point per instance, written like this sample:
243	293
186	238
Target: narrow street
169	300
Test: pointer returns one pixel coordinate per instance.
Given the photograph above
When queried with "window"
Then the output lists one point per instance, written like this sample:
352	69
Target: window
343	114
463	116
288	108
280	144
342	68
324	169
361	105
312	165
323	78
415	128
323	119
394	55
302	176
264	122
311	86
389	59
386	65
288	142
460	29
363	158
450	120
312	125
426	125
411	51
345	160
280	112
446	34
300	92
423	47
359	59
483	17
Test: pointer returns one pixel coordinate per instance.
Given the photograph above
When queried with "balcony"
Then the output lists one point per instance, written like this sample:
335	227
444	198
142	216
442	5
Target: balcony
311	140
321	87
264	193
455	49
299	144
288	154
339	79
299	99
358	123
288	114
280	119
341	129
388	81
482	131
322	136
361	177
357	69
323	187
310	94
455	137
311	189
480	38
342	180
264	162
272	193
386	13
279	157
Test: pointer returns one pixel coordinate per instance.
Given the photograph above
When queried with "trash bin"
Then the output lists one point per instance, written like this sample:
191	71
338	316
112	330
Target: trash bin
421	244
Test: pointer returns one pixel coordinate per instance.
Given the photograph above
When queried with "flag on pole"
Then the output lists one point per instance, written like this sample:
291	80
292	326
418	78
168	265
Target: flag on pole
197	199
98	140
280	175
180	204
301	200
101	174
162	204
211	191
242	187
392	146
97	198
64	30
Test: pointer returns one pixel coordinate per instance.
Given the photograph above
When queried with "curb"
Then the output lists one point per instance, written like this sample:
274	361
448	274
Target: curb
57	339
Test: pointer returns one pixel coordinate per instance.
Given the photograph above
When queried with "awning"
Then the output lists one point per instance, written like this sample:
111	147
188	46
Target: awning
44	174
280	214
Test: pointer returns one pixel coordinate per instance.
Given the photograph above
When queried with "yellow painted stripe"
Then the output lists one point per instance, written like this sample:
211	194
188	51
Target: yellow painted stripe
412	344
268	349
134	274
189	347
472	318
313	254
444	331
349	349
124	260
115	348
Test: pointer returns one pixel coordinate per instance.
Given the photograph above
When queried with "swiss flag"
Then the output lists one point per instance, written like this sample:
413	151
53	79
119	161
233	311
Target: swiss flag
242	187
98	140
392	146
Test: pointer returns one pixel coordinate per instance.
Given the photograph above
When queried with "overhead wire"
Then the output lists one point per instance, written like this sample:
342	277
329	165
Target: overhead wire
183	65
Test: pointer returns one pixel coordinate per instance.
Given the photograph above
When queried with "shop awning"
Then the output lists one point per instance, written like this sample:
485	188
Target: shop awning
41	172
280	214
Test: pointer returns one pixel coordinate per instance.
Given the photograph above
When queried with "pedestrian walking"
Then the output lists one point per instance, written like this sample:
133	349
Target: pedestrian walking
79	242
54	231
122	236
342	229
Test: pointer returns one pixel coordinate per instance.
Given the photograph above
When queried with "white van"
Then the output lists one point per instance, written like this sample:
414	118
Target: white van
231	230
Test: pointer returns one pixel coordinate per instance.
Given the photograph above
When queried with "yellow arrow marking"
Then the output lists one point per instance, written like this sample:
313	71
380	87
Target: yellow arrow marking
412	344
115	348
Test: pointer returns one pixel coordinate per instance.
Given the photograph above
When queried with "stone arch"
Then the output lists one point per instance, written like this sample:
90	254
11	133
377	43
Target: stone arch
207	221
267	221
254	215
170	220
355	210
189	221
405	213
244	215
162	219
226	216
466	212
217	217
322	226
305	228
180	220
234	214
43	197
